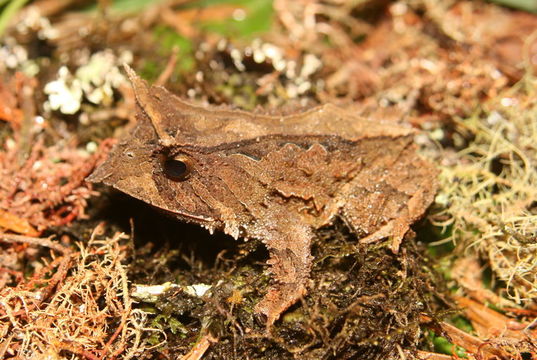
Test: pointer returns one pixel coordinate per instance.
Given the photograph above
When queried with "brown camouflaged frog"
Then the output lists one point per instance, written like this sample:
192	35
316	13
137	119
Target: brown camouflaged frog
274	178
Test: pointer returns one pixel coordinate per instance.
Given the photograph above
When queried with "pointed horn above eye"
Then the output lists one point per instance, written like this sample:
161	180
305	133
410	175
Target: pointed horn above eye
143	97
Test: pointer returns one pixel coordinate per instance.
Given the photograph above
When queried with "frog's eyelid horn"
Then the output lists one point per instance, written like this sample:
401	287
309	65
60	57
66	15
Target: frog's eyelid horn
141	92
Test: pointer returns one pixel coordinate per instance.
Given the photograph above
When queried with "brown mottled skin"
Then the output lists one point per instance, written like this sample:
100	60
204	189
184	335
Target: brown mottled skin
274	178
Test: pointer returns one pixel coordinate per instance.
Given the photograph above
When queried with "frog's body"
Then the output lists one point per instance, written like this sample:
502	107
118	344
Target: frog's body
277	179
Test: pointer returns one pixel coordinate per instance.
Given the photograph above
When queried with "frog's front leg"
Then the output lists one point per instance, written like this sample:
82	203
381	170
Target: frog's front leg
290	260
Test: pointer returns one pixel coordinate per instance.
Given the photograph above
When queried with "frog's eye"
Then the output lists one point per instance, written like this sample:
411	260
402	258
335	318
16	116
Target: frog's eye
177	169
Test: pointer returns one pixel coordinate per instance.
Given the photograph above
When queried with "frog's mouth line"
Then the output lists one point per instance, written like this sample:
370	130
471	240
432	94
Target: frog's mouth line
173	212
197	218
202	220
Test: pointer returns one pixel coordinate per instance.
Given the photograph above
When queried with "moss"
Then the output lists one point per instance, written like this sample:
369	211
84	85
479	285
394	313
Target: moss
363	302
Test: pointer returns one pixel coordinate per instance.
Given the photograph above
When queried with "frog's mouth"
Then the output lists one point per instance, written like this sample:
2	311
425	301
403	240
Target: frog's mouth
148	193
188	217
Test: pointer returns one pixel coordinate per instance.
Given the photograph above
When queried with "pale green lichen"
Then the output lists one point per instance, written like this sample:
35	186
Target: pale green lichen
489	189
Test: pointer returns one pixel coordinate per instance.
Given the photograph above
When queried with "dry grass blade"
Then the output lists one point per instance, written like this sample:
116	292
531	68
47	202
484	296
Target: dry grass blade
490	324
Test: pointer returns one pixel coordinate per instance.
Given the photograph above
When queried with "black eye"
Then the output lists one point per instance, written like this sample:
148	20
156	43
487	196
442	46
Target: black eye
176	169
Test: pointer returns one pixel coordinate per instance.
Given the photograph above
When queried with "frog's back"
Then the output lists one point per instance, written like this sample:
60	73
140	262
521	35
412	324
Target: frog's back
209	126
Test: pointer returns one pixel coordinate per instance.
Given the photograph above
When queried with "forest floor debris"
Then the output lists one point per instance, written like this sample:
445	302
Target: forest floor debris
461	72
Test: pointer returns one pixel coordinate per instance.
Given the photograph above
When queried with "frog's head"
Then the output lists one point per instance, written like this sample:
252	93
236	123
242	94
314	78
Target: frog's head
170	173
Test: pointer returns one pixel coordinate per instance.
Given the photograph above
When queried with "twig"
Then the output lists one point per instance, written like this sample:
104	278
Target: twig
26	100
424	355
4	345
168	70
200	348
45	242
